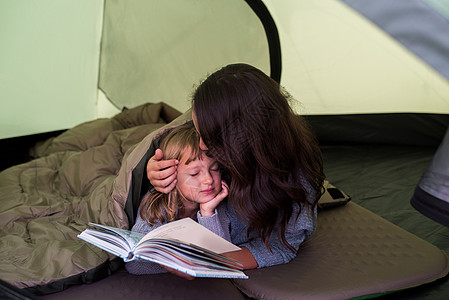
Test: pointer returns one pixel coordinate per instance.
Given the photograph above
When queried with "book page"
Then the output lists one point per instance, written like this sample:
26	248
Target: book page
190	232
130	237
101	240
189	252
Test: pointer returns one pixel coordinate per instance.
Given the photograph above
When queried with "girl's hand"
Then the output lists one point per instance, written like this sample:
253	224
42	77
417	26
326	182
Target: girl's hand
162	173
208	209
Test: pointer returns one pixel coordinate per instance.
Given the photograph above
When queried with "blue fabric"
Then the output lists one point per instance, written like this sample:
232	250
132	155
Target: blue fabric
413	23
435	179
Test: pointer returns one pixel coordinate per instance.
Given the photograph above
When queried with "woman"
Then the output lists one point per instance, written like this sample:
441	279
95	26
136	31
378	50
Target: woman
273	159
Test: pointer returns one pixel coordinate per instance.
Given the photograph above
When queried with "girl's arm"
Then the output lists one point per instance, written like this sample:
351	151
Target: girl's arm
216	220
144	267
218	223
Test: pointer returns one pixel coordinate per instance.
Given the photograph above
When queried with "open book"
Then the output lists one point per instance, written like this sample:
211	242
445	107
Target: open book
183	245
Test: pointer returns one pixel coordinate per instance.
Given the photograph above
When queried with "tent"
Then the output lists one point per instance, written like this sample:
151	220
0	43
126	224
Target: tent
371	77
330	45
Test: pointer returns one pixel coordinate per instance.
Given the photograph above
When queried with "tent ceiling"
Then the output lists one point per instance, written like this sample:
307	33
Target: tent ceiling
158	50
334	60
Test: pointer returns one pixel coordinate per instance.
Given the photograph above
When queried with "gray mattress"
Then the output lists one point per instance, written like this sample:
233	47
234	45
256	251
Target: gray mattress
382	179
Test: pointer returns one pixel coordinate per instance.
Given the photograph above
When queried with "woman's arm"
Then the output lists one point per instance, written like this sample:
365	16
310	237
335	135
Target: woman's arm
244	257
162	173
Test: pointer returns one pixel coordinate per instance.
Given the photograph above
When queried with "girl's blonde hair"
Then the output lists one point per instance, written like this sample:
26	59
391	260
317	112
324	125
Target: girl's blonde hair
157	206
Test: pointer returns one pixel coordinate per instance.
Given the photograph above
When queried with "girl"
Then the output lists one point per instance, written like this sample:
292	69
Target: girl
247	125
197	195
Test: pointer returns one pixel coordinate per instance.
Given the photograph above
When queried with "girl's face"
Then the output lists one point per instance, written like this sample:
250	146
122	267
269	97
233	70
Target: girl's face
200	180
195	123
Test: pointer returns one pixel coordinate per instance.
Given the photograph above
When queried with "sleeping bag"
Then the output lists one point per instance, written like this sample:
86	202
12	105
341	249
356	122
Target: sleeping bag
80	176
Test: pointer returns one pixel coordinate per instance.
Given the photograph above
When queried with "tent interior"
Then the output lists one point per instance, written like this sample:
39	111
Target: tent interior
371	77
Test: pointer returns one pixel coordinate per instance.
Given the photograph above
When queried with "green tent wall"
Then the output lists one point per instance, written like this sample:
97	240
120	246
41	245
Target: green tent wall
336	57
356	78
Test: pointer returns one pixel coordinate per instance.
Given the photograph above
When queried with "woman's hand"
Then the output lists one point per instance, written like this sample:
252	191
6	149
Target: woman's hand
162	173
208	209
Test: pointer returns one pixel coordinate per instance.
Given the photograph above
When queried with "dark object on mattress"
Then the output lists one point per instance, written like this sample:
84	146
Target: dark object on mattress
431	196
332	197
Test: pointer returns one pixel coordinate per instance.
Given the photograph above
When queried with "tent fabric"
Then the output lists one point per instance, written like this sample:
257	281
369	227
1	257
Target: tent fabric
333	59
392	129
336	61
162	49
370	97
415	24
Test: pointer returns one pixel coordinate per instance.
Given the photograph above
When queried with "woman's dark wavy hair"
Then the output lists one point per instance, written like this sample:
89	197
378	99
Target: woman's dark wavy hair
245	119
